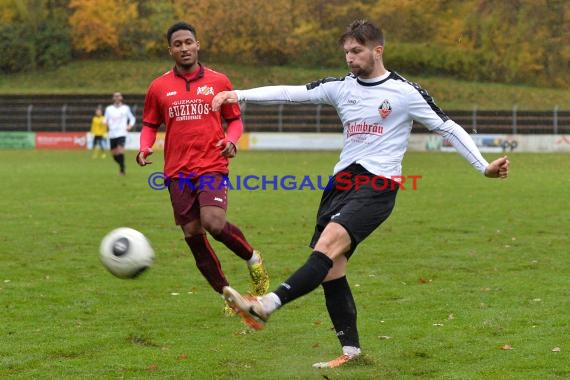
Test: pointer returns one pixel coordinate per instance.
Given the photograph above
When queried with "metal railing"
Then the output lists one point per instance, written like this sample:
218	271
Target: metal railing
318	118
66	114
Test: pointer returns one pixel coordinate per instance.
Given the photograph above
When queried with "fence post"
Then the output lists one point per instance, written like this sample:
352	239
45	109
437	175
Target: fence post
280	118
515	108
555	120
29	117
243	107
63	117
318	127
474	119
134	111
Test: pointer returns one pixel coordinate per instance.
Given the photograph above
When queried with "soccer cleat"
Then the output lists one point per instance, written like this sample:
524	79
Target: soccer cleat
247	307
259	277
344	358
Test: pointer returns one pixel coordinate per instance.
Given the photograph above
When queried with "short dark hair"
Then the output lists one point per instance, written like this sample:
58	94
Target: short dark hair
179	26
364	32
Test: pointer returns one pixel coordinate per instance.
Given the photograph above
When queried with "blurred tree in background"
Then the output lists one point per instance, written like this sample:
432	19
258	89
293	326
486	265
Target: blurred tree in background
104	27
511	41
34	34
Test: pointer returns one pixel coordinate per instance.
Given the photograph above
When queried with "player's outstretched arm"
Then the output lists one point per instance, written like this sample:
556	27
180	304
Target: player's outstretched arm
498	168
223	97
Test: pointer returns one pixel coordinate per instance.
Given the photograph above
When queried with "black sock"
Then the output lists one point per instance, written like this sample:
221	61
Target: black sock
306	278
342	311
121	160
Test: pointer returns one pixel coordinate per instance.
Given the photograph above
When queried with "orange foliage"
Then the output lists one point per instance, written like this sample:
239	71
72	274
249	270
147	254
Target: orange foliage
508	41
97	24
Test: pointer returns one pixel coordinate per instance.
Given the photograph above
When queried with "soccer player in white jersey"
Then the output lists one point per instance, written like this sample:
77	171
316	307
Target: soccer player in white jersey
377	108
119	120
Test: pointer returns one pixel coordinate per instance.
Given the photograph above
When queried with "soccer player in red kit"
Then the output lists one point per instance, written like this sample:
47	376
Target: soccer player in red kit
196	153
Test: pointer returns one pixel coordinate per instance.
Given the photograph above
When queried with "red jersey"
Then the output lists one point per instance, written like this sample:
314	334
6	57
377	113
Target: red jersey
184	105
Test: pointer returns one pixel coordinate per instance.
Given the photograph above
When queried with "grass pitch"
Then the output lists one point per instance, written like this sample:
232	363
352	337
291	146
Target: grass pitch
468	279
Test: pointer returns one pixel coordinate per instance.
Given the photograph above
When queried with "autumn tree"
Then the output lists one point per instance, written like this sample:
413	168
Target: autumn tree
522	40
253	31
33	34
154	18
98	25
514	41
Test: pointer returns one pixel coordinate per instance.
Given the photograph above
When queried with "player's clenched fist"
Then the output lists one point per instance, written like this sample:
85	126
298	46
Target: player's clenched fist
498	168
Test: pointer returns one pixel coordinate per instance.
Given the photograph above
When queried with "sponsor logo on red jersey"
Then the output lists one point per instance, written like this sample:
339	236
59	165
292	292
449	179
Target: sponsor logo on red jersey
205	90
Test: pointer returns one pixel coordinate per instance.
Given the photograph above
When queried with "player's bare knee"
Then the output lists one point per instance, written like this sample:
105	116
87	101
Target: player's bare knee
213	219
192	229
214	225
334	241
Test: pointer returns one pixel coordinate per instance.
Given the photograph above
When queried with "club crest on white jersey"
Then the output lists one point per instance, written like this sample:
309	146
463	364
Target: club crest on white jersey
385	109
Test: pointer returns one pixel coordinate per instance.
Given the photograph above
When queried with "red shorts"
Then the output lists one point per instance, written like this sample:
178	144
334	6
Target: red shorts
188	195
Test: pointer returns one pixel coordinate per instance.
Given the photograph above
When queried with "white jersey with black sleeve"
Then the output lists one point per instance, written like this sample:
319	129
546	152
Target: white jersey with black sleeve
376	115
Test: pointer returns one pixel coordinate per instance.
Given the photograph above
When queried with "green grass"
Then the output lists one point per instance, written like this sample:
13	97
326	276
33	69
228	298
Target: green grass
464	266
105	77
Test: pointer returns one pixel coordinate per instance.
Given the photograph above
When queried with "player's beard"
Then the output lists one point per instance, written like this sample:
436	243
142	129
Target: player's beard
365	70
187	66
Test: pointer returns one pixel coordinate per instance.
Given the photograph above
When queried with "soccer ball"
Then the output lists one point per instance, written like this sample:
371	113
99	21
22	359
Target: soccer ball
126	252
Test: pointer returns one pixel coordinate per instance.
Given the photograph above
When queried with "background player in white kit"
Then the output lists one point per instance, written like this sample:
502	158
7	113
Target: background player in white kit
377	108
119	120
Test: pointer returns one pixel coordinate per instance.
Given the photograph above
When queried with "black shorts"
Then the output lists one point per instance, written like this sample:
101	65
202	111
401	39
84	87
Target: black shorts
98	140
358	206
117	141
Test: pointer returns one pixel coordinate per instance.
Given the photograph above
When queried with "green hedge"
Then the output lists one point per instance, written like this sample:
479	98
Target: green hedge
46	48
425	59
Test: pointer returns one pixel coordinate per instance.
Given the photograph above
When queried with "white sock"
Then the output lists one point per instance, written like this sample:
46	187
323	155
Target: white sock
270	302
254	259
351	351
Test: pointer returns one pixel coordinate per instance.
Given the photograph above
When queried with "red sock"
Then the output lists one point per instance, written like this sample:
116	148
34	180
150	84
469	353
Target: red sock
233	238
207	261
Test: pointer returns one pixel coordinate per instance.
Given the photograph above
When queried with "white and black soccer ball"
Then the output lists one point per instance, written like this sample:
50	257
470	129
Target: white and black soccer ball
126	252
